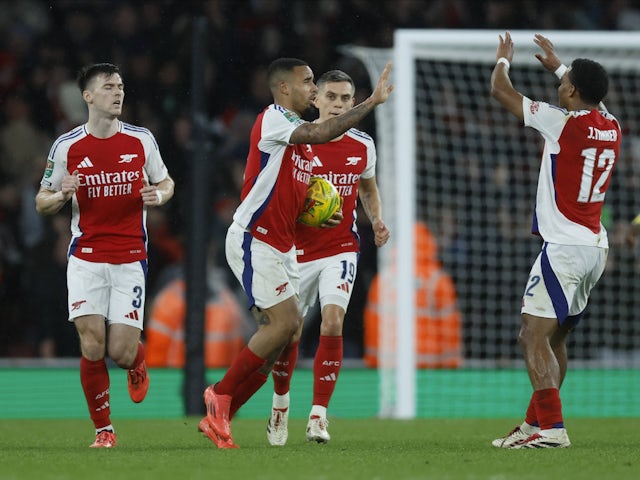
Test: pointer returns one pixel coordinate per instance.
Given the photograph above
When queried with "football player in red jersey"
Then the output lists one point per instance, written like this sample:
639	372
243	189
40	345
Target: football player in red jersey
328	258
112	172
260	242
582	142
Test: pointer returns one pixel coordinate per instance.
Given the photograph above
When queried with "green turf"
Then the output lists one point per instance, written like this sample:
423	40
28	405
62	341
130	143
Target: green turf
360	449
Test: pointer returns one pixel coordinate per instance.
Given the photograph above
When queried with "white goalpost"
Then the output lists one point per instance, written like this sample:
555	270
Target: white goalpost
449	156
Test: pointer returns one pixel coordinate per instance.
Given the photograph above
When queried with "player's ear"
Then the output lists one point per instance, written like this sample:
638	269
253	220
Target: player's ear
283	87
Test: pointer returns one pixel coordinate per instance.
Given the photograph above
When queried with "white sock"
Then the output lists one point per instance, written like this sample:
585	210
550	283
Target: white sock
318	410
281	401
108	427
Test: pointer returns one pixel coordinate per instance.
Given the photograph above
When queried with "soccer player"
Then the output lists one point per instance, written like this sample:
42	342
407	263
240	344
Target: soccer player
328	258
260	241
112	172
582	142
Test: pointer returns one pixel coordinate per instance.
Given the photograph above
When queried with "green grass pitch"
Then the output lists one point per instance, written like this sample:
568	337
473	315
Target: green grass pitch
360	449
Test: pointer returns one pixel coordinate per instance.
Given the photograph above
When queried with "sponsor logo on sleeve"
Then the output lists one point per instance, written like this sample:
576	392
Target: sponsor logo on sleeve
48	171
534	107
291	116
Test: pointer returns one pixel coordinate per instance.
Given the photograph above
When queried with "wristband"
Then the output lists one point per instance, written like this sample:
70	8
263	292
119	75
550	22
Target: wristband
636	221
560	70
159	195
504	61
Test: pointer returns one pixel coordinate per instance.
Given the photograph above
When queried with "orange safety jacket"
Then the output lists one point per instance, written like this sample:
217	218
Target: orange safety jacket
438	322
165	346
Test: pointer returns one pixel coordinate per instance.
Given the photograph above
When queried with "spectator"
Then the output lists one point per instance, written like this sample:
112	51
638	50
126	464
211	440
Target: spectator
438	331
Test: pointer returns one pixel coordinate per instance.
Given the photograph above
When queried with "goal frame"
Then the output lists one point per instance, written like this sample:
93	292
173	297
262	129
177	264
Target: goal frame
397	162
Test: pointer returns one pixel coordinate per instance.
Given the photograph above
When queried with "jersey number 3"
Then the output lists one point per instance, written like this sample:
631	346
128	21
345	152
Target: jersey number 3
606	159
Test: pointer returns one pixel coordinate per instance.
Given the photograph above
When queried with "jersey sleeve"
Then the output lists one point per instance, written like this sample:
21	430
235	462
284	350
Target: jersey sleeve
370	170
547	119
278	125
154	166
56	168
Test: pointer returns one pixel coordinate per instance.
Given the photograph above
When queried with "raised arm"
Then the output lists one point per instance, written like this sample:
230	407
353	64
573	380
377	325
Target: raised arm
333	127
501	87
550	60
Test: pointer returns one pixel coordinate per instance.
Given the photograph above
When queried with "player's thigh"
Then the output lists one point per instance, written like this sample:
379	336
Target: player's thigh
561	279
337	277
593	261
267	275
88	287
128	293
309	284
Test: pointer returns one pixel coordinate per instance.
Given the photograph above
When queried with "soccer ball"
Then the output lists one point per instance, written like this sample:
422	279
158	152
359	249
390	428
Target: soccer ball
322	201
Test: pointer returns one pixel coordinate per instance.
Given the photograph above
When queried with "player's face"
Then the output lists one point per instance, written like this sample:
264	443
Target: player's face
105	95
334	98
303	90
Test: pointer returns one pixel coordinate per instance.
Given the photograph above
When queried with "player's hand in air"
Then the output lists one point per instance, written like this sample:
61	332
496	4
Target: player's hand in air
549	60
383	88
505	47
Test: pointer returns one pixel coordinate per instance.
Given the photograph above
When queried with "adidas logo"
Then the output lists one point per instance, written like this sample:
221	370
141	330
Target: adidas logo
86	163
316	162
132	315
329	378
344	287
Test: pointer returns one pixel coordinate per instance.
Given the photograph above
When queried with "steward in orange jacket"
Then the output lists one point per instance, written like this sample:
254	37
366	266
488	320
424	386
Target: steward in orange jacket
224	336
438	328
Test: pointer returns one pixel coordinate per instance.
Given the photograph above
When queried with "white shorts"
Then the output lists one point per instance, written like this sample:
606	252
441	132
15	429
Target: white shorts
117	292
330	278
267	275
561	280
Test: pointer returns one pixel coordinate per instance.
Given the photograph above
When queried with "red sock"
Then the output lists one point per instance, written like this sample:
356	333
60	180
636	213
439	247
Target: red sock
139	356
283	368
326	368
94	378
246	390
531	417
244	365
548	408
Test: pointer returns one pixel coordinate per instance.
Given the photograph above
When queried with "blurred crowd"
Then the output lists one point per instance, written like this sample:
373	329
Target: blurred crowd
44	43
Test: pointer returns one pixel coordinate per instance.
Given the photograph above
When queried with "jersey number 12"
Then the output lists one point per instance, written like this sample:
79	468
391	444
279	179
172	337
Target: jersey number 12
606	159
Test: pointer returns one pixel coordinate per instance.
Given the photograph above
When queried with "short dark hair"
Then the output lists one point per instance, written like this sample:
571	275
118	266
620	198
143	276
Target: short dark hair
89	72
282	65
590	79
335	76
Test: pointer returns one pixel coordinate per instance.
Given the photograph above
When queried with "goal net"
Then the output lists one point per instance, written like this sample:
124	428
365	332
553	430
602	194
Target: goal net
451	157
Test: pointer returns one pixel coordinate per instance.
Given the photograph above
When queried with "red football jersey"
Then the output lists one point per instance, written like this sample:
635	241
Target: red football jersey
342	162
580	152
108	222
276	179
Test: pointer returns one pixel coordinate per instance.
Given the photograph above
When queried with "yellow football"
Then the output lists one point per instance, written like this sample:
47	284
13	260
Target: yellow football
322	201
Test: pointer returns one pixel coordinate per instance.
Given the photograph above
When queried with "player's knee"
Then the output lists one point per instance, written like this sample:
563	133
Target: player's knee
92	348
121	355
331	326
